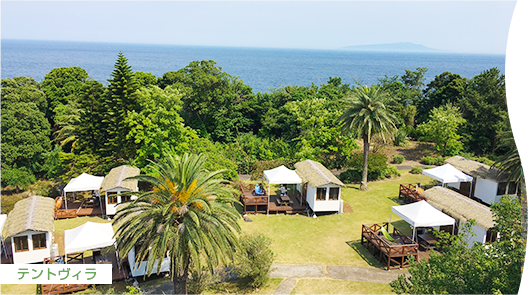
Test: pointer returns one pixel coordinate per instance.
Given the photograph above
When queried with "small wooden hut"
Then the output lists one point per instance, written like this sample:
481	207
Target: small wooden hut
114	184
30	227
320	188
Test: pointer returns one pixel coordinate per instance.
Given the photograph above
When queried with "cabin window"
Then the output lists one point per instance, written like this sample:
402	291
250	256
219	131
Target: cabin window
491	237
320	193
512	188
125	198
112	198
21	244
502	187
334	192
39	241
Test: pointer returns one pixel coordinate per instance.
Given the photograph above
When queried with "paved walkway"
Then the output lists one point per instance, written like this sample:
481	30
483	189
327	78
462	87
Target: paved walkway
290	274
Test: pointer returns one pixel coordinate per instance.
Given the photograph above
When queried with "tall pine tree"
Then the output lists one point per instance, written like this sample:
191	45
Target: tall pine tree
121	99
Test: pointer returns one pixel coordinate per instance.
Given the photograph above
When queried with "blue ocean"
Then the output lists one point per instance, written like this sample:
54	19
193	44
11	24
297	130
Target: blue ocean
261	68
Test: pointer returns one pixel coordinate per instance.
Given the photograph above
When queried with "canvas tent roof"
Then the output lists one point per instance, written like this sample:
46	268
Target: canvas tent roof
282	175
447	174
422	214
84	182
316	174
116	178
88	236
35	213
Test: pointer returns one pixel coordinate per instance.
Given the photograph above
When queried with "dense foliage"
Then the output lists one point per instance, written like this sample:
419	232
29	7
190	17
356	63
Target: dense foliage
69	123
254	260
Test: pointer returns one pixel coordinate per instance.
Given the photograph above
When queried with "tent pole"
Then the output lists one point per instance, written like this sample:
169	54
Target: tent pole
389	223
413	235
420	182
65	201
100	203
268	204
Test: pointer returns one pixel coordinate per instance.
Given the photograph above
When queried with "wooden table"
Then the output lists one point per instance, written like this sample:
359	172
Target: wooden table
428	239
284	200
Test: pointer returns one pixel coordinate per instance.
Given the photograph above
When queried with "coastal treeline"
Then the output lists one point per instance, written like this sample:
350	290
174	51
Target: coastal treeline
68	123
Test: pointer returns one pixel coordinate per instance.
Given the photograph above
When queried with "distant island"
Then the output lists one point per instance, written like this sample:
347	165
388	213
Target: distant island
398	47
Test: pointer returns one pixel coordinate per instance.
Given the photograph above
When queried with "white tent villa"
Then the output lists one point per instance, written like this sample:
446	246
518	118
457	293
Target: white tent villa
422	214
84	182
322	189
489	183
30	227
114	184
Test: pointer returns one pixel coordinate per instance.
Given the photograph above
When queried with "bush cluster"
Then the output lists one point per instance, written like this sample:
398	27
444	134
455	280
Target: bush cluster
254	260
377	168
428	160
416	170
398	159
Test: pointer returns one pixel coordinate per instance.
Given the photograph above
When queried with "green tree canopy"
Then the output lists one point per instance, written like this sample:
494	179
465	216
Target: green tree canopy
442	129
25	129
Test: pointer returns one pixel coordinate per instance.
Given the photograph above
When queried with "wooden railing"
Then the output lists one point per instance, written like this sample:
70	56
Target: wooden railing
390	252
409	192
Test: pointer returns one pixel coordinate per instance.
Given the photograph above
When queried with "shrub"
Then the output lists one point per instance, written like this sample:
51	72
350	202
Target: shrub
398	159
199	281
428	160
416	170
350	176
17	178
400	138
391	171
255	259
376	165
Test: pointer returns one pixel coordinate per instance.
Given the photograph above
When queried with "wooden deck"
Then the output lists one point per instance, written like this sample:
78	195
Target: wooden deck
392	254
261	204
62	288
408	193
78	209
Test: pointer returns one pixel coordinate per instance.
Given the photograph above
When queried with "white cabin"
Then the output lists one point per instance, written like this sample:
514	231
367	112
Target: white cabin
114	184
489	184
30	227
462	209
320	188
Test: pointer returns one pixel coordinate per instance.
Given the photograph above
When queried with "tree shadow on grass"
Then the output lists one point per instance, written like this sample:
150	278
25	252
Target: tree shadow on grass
364	253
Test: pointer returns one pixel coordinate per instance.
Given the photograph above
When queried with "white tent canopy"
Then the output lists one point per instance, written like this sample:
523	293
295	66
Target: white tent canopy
88	236
447	174
422	214
84	182
282	175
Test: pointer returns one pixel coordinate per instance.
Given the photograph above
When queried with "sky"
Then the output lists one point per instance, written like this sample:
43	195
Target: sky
458	26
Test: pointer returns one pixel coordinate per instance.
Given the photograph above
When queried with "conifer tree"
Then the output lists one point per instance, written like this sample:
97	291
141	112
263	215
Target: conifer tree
121	99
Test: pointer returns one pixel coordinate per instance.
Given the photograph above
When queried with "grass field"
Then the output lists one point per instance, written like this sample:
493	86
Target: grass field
330	286
333	239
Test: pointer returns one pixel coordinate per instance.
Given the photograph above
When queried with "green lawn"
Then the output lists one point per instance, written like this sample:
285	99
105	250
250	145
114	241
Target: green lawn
330	286
333	239
233	288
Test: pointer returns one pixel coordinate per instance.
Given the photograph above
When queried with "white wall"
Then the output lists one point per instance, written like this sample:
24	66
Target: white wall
323	205
455	185
481	235
486	190
111	208
141	269
31	256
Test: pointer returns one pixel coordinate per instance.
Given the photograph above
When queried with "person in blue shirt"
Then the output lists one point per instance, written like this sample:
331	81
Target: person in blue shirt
257	190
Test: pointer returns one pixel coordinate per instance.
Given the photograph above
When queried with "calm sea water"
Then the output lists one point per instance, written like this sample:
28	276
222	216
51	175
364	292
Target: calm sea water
261	68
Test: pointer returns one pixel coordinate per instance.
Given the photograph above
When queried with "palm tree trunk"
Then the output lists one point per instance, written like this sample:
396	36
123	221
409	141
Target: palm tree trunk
363	184
180	282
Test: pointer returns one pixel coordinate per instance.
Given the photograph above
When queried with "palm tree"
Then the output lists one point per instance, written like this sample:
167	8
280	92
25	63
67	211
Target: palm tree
188	215
509	162
367	112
